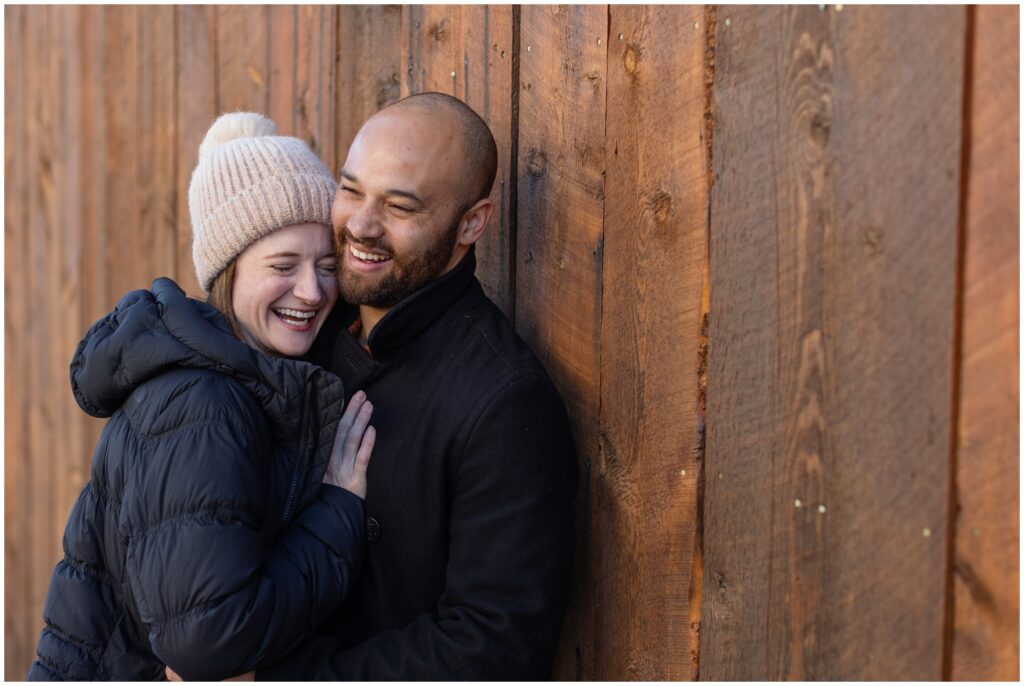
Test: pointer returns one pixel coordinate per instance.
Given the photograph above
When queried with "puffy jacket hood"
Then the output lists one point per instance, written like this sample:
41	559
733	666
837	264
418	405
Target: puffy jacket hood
150	332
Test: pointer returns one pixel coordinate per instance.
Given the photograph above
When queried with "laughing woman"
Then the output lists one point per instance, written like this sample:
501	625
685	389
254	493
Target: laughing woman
223	520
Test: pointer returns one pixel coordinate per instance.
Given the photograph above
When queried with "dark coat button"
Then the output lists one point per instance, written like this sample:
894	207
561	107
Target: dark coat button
372	530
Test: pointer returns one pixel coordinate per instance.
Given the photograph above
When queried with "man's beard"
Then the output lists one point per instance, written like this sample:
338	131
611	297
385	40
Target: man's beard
407	274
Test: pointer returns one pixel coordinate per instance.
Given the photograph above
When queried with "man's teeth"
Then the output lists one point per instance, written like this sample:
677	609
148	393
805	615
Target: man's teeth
368	257
295	314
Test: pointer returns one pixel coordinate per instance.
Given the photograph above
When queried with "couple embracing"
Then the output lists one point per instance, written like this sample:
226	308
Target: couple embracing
345	464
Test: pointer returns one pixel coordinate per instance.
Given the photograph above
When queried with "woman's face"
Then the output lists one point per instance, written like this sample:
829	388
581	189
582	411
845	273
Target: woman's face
285	285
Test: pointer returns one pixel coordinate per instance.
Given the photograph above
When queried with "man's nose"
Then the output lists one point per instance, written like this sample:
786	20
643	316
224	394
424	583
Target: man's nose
362	222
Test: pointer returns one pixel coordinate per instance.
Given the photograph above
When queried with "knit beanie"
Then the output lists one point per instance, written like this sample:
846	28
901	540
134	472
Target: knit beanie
248	183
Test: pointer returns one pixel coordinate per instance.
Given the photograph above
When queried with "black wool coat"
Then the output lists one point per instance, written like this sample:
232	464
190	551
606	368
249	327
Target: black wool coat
204	539
470	498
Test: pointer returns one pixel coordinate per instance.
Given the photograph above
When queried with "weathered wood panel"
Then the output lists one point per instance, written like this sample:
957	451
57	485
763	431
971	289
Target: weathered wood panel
197	109
18	638
301	67
833	265
44	547
986	570
154	233
369	68
559	246
644	498
833	252
466	51
242	58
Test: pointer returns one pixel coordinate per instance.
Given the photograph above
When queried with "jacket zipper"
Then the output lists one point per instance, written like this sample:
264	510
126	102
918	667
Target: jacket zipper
300	467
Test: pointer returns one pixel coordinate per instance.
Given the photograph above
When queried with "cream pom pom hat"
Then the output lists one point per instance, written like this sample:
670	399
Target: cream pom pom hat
248	183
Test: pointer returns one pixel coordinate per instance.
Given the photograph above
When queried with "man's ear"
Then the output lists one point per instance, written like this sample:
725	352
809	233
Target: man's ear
474	221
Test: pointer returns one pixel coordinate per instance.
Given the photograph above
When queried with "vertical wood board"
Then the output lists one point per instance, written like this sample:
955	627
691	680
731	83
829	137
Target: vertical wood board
559	246
18	639
986	640
829	388
369	68
655	244
243	58
197	109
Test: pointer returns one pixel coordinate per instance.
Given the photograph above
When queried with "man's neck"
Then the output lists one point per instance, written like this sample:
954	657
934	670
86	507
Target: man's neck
370	316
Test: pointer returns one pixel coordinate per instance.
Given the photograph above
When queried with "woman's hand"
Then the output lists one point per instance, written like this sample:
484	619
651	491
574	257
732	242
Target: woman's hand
352	447
173	676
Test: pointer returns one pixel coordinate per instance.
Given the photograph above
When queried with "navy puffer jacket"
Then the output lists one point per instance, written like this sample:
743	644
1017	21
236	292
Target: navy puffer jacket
204	540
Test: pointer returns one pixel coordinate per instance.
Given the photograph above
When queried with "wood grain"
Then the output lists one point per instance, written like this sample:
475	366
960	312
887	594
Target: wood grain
986	569
559	248
156	161
301	82
833	251
369	68
41	546
466	51
125	265
242	58
644	499
196	111
19	641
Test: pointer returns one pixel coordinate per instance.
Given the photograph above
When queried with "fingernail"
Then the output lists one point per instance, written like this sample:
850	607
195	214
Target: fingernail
359	395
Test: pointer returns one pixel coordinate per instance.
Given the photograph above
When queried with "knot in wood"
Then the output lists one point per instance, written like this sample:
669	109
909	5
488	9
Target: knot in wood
439	31
631	59
873	241
821	127
536	163
659	204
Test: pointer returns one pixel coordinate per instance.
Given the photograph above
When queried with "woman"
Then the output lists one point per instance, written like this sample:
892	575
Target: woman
223	520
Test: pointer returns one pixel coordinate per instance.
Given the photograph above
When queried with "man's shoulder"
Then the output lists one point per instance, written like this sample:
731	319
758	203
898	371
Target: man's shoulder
480	339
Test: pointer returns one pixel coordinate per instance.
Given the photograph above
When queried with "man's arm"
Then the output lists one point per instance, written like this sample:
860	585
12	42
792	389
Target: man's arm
510	558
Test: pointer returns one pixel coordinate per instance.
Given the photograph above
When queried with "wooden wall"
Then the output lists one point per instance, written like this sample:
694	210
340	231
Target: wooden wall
768	254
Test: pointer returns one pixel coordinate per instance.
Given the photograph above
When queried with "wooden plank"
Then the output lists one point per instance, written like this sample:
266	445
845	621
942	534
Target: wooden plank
316	47
833	249
987	573
19	639
155	160
242	55
301	85
559	250
38	327
127	268
95	292
369	39
655	246
71	459
282	27
466	51
197	110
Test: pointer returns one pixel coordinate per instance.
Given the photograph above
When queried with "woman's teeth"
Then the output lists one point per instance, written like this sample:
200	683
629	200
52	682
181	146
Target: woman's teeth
294	316
366	256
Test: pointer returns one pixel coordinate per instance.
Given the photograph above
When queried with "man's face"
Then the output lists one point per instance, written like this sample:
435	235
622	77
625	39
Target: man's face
397	210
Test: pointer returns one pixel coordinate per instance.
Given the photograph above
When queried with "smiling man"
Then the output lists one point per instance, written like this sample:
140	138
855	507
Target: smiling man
473	477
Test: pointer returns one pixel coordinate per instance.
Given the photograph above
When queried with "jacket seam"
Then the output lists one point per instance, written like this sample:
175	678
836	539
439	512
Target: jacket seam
223	514
93	652
52	668
87	569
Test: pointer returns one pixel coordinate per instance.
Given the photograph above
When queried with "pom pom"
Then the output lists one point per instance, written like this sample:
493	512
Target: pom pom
234	125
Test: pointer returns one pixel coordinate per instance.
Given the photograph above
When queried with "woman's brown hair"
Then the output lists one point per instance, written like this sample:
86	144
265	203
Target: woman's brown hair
222	293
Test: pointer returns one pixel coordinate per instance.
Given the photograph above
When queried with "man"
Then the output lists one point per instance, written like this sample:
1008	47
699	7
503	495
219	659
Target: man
473	477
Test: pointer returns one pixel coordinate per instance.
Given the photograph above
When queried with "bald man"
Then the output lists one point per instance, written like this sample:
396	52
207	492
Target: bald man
473	477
